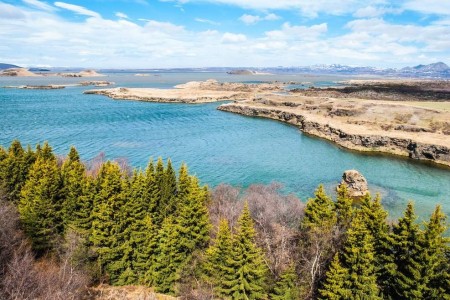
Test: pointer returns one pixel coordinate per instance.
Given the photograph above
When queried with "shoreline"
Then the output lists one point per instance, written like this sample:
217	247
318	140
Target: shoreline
392	120
357	142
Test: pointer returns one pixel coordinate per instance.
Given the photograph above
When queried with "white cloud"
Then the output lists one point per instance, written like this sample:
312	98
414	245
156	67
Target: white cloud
253	19
233	38
8	11
39	4
210	22
272	17
375	11
121	15
290	32
78	9
250	19
439	7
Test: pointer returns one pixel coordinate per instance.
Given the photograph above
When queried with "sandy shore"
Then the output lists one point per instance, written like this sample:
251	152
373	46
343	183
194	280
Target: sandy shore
191	92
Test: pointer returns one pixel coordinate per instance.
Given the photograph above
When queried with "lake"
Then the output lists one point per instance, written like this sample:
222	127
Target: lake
219	147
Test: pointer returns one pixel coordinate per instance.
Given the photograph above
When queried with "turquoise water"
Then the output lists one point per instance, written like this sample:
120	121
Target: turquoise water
219	147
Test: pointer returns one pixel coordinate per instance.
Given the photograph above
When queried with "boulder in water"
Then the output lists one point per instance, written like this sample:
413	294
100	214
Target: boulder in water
356	183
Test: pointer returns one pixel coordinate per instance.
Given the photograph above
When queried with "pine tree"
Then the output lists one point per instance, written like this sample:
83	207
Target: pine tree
407	281
218	257
344	207
375	218
359	260
286	288
334	287
247	274
73	176
319	211
435	274
40	204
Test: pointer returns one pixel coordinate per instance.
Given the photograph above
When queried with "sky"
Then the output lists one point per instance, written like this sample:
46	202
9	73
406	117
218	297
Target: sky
223	33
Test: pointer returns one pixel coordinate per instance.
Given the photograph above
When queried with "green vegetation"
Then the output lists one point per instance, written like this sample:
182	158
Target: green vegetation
162	229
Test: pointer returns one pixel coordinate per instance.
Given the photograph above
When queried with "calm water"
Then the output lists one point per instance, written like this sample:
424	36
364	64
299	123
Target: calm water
217	146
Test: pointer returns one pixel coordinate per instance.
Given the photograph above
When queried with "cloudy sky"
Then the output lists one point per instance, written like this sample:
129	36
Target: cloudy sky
200	33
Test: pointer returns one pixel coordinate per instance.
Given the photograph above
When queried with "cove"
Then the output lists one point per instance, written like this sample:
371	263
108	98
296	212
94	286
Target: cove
219	147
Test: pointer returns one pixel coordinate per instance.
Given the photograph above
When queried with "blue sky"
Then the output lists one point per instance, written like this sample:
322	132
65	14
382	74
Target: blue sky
201	33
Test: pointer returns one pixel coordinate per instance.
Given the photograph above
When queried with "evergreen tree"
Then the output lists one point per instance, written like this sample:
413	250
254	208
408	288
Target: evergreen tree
286	288
435	264
193	218
407	282
319	211
334	287
40	204
247	274
169	190
73	176
153	189
343	207
106	232
359	260
375	218
170	258
82	211
183	182
14	171
218	258
145	243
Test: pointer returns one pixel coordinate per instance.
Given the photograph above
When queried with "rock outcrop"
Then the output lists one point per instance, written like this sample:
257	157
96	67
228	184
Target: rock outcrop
356	184
368	143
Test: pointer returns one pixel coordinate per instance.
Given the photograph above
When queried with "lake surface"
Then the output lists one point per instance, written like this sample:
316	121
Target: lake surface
219	147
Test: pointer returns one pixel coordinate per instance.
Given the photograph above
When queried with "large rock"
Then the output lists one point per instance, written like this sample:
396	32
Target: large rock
356	183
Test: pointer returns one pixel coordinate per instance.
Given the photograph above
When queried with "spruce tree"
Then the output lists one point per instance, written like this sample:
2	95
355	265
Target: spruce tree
359	259
82	212
218	258
193	218
435	264
319	211
40	204
287	287
73	177
169	190
375	218
334	287
13	172
170	258
145	243
106	232
183	182
246	277
343	207
407	281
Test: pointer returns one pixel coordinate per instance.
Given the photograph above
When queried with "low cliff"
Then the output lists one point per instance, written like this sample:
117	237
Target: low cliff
373	143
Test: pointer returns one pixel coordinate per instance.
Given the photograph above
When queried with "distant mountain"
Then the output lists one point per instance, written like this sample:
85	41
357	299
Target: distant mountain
7	66
434	70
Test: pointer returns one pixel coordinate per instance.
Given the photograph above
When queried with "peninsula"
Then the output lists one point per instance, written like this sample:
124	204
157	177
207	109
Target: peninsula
402	117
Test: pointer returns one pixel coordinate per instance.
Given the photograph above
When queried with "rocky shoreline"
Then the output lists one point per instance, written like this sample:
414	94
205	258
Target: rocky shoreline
366	143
